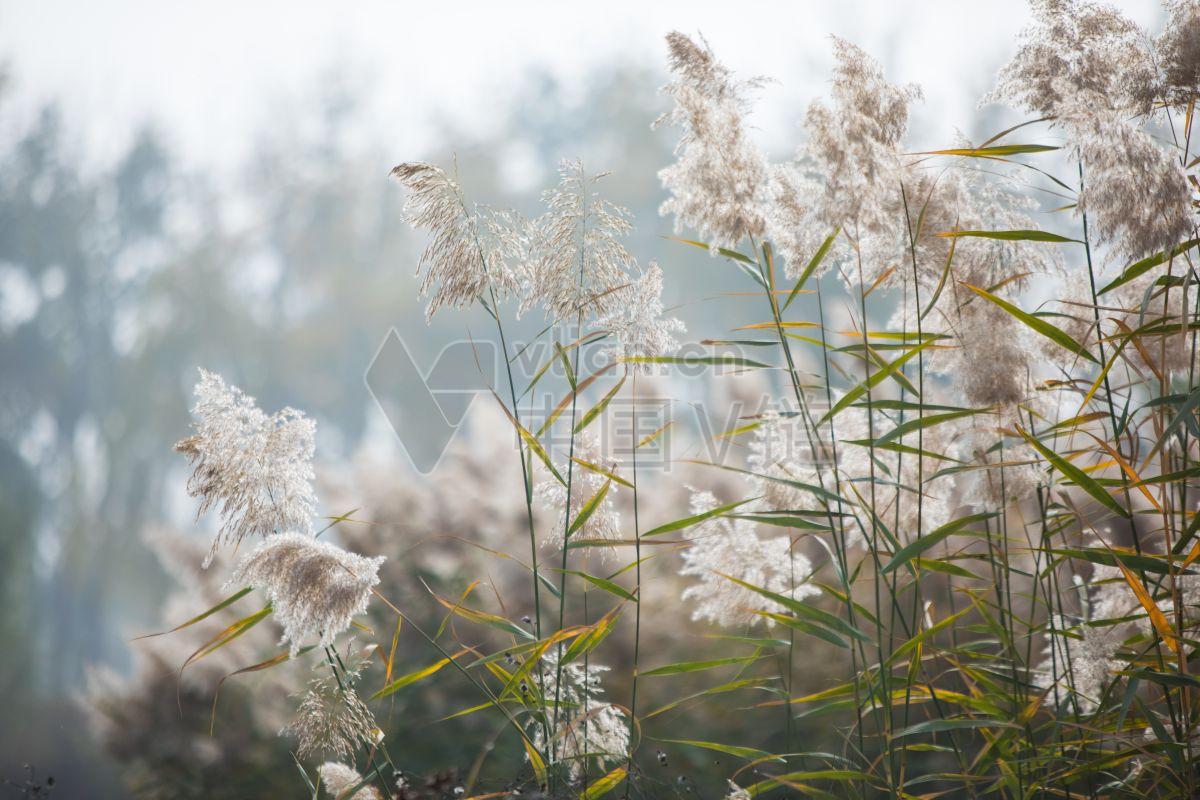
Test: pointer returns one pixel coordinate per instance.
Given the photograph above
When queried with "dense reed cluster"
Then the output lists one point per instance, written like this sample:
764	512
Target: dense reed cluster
978	509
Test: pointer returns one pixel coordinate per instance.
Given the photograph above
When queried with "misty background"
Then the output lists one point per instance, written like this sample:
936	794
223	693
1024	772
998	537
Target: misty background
188	185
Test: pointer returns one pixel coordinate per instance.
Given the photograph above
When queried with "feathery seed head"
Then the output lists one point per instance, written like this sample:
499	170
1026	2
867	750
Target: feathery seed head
1134	192
337	778
1179	52
588	727
467	256
332	720
993	362
1077	55
577	255
718	183
1010	475
789	223
737	792
779	458
254	468
315	588
853	162
721	546
1085	658
636	321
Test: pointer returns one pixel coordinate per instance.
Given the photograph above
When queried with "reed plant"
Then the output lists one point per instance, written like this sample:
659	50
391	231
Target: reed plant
970	489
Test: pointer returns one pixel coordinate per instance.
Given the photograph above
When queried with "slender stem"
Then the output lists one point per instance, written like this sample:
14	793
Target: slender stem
562	590
637	610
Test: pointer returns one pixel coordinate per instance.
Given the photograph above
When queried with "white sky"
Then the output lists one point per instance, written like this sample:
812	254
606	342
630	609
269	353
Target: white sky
207	72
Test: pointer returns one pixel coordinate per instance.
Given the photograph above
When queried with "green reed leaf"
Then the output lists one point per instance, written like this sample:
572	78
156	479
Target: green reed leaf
1076	475
923	543
813	263
683	667
688	522
604	785
750	753
1139	268
1035	324
1011	236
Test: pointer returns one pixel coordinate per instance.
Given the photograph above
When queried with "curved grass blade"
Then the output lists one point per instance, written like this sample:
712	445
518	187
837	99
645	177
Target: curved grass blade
1112	557
813	263
1034	323
587	642
996	151
805	627
1011	236
653	435
919	423
923	543
604	785
732	686
714	361
871	382
565	403
937	292
226	636
599	470
1076	475
943	725
697	666
1157	617
530	440
228	601
411	678
588	509
740	260
687	522
602	583
1139	268
259	667
483	617
801	609
750	753
925	636
598	409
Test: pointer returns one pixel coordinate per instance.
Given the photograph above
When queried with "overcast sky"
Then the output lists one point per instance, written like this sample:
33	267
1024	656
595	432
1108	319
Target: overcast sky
207	73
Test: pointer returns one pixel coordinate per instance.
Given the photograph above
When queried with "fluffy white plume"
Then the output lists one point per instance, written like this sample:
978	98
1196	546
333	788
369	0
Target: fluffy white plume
1083	657
780	457
994	359
577	256
254	468
1179	52
588	728
636	322
721	546
852	171
332	720
468	255
737	792
1077	55
718	183
337	778
315	588
1007	475
1135	193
